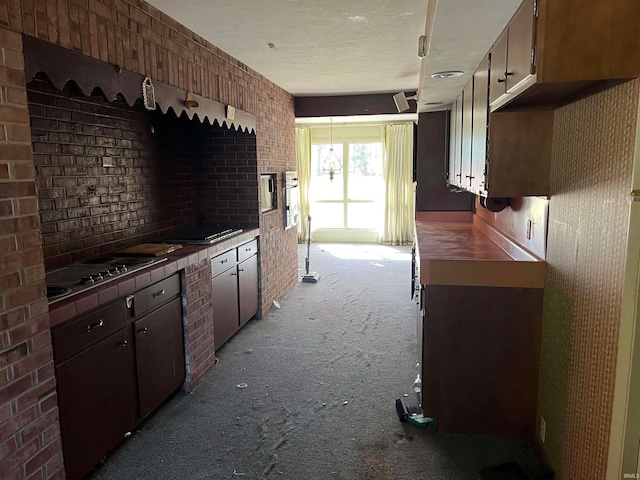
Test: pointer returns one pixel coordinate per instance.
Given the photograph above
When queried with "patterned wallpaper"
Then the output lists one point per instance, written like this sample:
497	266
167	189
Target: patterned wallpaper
588	221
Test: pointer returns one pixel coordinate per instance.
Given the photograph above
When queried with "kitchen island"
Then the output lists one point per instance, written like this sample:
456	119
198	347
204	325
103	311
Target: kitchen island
479	297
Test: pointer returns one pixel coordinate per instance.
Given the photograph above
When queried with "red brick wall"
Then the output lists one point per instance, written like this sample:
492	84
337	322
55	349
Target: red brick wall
29	430
139	38
171	177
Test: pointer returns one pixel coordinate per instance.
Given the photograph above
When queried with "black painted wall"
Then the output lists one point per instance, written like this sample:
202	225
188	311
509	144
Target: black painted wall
432	192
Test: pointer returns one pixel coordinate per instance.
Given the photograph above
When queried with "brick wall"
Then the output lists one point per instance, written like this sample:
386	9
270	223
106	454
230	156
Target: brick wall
29	429
171	177
141	39
224	169
87	209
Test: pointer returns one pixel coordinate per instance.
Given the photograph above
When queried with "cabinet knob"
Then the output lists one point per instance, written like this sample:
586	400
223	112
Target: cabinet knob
157	294
501	80
224	261
143	330
248	249
241	269
95	325
234	274
508	74
469	176
124	343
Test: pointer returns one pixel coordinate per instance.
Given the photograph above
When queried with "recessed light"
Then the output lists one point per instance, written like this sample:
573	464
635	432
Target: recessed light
447	74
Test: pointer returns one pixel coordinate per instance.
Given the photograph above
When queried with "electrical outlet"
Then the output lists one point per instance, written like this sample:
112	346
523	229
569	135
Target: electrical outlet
529	229
107	161
543	428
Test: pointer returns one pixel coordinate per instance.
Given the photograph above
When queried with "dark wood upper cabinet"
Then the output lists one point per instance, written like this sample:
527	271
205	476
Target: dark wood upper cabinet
512	55
555	51
479	127
467	133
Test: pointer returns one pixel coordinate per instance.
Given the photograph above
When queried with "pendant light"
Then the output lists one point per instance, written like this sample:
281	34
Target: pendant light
334	167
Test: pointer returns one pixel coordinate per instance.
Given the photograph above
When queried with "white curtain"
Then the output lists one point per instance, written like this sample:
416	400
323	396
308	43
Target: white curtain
399	210
303	160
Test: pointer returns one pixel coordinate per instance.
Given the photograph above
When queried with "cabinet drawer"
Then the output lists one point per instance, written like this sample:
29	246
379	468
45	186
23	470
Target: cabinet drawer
247	250
79	334
156	294
223	261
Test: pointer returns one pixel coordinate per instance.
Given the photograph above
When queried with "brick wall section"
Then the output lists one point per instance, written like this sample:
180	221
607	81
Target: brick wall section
224	166
87	209
29	430
138	37
142	39
228	171
200	321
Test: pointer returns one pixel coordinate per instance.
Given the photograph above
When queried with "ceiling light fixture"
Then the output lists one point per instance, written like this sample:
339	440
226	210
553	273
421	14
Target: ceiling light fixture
447	74
333	166
401	101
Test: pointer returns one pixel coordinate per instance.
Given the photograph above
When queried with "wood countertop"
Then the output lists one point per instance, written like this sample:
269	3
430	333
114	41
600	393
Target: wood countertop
460	248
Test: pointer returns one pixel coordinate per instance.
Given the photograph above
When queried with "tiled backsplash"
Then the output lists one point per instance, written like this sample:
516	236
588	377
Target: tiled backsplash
167	173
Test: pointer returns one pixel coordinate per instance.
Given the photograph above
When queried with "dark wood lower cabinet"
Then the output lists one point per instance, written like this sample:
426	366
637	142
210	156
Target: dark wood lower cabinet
98	401
248	288
159	355
113	368
480	350
225	306
235	290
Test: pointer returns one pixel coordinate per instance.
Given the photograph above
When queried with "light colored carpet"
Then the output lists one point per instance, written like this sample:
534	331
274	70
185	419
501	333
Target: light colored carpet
322	374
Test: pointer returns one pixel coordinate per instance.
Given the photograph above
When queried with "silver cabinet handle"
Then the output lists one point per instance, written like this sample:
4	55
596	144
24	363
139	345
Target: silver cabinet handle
247	249
501	80
143	330
124	343
224	261
234	274
241	269
157	294
95	325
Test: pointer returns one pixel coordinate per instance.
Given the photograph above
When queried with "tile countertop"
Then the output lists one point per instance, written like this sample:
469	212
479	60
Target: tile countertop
459	248
75	305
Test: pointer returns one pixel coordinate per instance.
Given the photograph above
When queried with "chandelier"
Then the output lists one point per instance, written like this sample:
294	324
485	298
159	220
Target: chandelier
332	165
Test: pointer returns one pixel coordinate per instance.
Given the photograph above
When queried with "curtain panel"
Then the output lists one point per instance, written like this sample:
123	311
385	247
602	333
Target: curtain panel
303	162
399	208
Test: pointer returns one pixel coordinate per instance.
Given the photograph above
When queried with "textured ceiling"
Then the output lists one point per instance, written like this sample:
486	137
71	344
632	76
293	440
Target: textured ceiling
333	47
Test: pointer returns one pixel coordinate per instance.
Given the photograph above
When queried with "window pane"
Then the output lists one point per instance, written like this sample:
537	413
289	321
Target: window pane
327	215
364	215
365	171
323	159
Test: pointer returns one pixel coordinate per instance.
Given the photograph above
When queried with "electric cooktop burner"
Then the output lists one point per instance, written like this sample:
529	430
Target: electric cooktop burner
55	292
132	262
91	273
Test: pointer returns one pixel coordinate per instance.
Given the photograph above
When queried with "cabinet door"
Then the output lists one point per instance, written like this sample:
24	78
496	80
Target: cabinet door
455	142
248	288
97	401
479	128
159	355
497	78
521	41
467	132
225	306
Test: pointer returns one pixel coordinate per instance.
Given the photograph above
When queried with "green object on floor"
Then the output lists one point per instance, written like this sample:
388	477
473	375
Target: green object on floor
421	420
